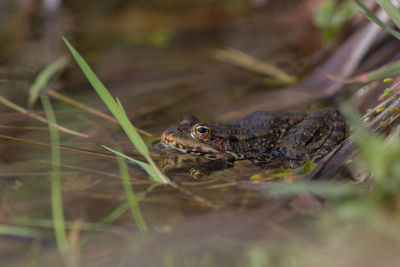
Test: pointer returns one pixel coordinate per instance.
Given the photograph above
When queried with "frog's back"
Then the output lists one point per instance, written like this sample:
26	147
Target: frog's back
260	122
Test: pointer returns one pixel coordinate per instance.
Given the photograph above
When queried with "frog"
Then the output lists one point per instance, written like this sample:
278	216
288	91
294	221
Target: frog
261	136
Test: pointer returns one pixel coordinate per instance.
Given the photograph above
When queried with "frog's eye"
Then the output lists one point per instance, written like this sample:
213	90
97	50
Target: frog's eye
201	132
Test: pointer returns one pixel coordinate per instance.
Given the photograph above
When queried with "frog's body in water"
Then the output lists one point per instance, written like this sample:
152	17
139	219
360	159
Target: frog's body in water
261	136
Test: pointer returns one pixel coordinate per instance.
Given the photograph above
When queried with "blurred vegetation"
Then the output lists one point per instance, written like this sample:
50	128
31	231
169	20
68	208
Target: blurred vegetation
331	16
156	39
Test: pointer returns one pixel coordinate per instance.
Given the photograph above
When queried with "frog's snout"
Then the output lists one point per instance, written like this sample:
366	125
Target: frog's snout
169	135
166	136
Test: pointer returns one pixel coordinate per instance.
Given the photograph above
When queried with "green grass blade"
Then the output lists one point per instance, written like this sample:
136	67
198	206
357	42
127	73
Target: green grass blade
94	81
131	132
130	195
119	113
108	99
43	78
56	190
391	10
368	14
136	137
19	231
155	177
160	175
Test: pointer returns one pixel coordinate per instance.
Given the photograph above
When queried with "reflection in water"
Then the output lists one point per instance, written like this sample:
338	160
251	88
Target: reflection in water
198	167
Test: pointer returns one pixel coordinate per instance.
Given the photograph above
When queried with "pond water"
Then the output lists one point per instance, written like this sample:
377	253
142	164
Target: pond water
159	59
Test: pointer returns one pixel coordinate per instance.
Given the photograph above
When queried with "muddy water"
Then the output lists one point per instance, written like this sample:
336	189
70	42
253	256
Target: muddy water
159	61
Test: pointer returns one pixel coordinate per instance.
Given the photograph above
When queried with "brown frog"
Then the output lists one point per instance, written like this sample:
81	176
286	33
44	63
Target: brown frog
261	136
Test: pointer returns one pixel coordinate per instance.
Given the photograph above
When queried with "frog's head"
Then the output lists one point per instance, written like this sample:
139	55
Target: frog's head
191	136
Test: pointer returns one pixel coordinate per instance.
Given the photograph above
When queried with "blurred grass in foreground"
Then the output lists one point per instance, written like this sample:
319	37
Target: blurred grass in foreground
56	184
130	195
44	77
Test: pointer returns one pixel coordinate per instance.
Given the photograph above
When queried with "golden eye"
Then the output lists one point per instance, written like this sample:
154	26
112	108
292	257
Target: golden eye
201	132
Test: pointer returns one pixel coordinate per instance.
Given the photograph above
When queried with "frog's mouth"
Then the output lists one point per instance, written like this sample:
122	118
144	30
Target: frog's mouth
192	147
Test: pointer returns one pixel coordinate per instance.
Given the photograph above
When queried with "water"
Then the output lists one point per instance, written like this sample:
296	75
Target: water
158	60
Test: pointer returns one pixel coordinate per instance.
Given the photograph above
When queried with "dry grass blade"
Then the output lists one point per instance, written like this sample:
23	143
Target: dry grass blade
28	128
73	242
22	110
100	154
246	61
82	169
